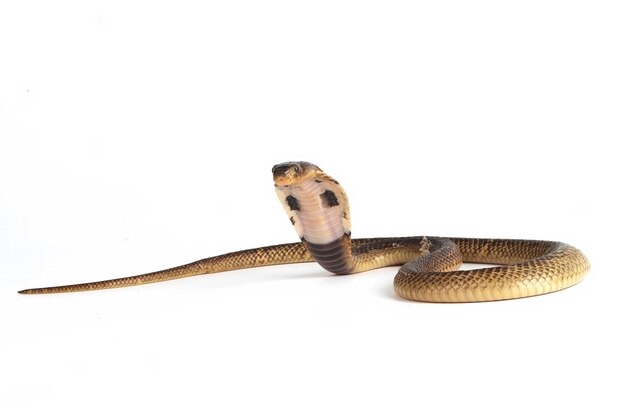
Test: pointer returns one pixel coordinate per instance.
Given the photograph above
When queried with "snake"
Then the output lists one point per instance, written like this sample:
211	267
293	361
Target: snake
317	207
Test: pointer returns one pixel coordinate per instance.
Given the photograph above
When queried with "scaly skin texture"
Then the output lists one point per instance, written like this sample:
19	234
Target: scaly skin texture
250	258
429	264
528	268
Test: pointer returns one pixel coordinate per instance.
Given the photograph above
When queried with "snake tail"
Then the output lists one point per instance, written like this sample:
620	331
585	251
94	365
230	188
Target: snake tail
250	258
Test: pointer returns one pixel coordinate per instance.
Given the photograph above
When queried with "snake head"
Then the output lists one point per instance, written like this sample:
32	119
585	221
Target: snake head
288	173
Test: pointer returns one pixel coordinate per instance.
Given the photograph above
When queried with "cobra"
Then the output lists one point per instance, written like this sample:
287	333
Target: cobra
318	208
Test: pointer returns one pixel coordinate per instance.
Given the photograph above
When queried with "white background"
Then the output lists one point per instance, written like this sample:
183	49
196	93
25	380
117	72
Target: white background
136	136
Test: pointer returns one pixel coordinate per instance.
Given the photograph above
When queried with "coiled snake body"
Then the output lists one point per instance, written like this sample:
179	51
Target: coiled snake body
318	208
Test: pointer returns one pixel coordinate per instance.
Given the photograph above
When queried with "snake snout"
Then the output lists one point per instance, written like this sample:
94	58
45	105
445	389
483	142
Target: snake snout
287	172
281	169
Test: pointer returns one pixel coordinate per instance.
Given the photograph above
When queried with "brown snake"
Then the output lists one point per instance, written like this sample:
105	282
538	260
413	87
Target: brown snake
318	208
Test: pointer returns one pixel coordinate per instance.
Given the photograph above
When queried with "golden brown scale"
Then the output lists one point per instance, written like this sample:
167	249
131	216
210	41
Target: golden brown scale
250	258
428	271
529	268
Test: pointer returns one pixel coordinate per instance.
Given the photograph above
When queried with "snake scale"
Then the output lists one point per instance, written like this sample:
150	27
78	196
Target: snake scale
318	208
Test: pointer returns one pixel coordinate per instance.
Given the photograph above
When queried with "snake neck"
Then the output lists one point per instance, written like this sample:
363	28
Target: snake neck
319	211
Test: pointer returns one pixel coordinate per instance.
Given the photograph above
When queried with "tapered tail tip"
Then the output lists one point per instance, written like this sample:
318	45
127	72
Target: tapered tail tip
31	291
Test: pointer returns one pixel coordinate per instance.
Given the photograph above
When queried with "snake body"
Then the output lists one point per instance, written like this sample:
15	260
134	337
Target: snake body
318	208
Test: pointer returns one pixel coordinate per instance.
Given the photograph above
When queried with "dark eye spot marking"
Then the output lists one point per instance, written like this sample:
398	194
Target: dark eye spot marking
292	202
292	220
329	199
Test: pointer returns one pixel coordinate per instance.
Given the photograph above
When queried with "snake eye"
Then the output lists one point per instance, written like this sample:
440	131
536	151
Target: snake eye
296	168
